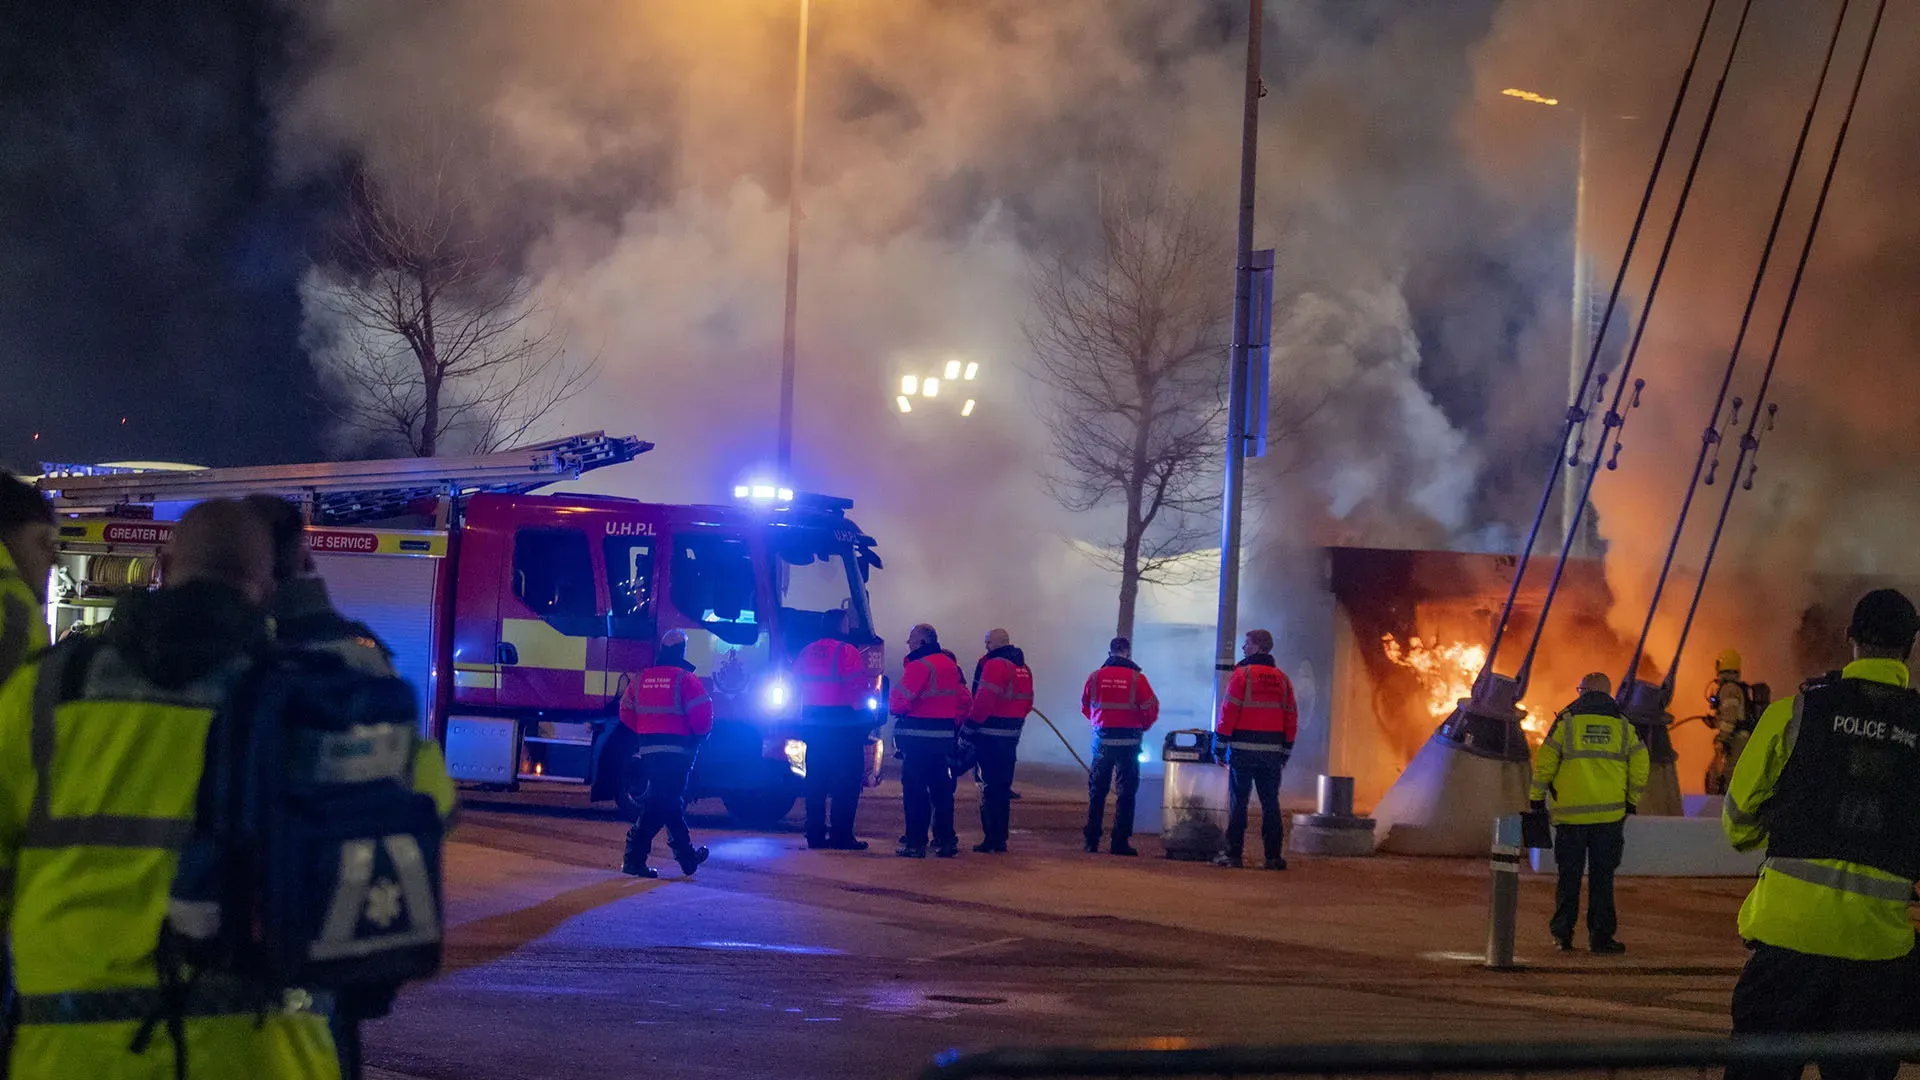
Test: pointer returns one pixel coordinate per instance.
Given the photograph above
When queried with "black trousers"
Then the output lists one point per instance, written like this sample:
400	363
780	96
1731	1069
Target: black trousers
1595	849
926	789
836	766
1251	772
997	755
658	783
1783	991
1115	768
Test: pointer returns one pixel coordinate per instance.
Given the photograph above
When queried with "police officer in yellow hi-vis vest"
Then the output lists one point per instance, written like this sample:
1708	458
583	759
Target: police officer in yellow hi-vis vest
1595	768
27	555
99	775
1830	783
26	559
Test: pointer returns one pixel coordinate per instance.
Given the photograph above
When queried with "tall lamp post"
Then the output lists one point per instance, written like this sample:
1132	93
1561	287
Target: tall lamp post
789	332
1580	310
1228	613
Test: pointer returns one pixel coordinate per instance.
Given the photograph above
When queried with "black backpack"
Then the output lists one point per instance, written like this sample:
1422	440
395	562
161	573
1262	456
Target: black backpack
313	864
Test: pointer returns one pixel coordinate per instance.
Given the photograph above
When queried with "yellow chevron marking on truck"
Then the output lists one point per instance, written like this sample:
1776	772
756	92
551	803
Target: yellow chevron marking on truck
541	646
472	679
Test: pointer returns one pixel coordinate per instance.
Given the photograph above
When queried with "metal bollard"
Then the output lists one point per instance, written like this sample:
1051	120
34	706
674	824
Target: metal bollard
1336	796
1507	853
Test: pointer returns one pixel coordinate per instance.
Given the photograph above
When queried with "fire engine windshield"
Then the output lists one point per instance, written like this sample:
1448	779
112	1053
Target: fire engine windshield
713	584
818	576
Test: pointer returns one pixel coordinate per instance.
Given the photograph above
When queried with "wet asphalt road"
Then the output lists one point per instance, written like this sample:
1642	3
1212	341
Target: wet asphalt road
774	961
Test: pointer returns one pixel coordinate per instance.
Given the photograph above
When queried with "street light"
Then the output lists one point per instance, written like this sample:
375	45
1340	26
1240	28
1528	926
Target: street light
1579	315
1528	95
787	341
955	374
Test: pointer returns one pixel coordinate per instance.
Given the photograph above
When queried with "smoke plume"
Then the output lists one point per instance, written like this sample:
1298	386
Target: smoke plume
1419	218
1831	500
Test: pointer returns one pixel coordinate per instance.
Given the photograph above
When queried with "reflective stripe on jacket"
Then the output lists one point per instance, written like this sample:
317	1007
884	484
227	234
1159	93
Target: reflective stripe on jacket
1259	713
832	674
1826	907
97	794
1592	763
23	621
931	697
1120	702
1004	698
669	708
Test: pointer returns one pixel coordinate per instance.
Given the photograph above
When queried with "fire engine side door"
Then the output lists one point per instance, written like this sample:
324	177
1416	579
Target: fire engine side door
553	622
630	552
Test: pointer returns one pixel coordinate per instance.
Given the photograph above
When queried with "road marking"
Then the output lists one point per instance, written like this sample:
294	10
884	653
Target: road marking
965	949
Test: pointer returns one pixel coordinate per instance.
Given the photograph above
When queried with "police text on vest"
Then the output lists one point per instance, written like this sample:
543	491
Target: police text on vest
1863	728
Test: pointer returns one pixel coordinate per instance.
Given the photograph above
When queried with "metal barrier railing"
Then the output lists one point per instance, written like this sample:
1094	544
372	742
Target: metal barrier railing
1177	1058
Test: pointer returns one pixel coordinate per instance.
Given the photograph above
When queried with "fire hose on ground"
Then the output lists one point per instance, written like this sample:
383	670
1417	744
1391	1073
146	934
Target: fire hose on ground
1063	742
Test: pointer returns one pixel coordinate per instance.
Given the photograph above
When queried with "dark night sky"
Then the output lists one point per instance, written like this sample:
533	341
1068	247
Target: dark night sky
149	261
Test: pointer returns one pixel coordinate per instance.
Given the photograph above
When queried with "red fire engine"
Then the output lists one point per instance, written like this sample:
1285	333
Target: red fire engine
518	616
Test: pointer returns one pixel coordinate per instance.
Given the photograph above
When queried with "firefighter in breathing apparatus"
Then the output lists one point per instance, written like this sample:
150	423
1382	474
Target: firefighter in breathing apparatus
668	707
927	705
1731	709
206	755
1002	698
835	690
1827	785
1595	767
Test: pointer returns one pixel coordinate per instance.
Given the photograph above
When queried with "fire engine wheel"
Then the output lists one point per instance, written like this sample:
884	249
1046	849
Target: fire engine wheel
759	808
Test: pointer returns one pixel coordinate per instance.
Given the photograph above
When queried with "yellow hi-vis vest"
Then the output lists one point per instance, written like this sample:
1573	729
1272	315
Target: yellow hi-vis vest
1593	765
23	622
1825	907
97	795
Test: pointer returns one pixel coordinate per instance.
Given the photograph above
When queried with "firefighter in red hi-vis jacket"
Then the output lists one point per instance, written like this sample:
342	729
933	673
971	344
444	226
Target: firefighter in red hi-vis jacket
668	707
927	705
1002	698
1119	701
835	689
1258	721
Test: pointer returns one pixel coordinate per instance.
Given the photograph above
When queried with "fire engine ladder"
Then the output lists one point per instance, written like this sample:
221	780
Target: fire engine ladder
344	492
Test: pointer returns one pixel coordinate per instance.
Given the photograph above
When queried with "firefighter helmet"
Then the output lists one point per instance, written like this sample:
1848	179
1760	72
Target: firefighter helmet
1728	661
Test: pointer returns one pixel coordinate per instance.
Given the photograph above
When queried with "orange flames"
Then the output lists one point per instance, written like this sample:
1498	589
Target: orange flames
1446	671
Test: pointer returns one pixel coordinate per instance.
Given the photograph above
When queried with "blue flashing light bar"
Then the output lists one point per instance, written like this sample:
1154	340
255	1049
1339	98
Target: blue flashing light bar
769	496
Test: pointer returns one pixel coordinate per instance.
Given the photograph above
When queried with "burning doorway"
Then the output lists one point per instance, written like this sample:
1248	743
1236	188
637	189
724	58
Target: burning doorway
1410	633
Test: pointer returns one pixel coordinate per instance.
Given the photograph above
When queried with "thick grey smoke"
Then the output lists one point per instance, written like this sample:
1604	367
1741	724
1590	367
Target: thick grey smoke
641	150
1833	496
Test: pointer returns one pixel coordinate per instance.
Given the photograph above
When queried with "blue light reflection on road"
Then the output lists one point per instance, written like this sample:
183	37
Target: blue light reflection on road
762	946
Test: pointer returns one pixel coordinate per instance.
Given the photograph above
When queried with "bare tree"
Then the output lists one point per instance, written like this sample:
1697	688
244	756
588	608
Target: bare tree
1130	336
438	343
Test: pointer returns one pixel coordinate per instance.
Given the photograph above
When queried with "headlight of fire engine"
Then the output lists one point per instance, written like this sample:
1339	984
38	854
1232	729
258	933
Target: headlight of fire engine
775	695
797	756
